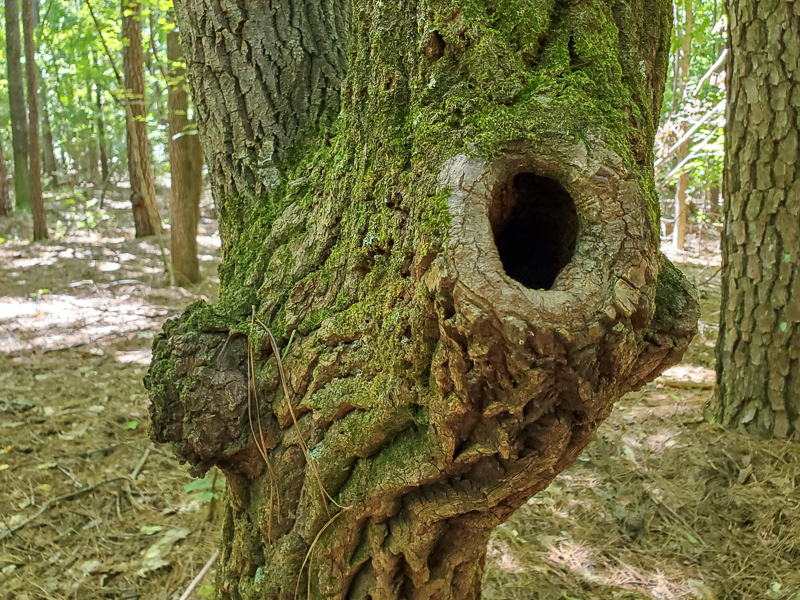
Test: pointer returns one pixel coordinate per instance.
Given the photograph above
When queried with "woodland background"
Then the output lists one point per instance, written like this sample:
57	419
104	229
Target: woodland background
662	505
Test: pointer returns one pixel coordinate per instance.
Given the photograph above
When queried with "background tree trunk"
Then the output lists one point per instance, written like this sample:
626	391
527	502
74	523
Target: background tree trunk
133	67
445	215
684	65
48	151
16	101
35	172
101	135
6	206
92	143
758	353
186	169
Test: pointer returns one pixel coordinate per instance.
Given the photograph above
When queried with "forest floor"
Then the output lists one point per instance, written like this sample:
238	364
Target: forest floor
662	505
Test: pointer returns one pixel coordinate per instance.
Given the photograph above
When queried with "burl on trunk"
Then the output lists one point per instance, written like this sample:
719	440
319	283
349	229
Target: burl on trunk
444	214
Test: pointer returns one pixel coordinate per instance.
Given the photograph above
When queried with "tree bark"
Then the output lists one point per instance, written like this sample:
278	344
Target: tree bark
101	135
684	65
758	352
445	214
6	206
186	169
133	67
35	171
48	151
16	101
92	143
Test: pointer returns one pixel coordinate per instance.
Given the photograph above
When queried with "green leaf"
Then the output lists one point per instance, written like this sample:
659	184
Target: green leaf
131	424
197	485
150	529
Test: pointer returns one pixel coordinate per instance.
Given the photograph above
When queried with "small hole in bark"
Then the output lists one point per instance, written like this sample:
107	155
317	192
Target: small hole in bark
435	46
535	227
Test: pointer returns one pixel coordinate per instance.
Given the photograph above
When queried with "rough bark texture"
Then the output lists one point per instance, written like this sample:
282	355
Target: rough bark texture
16	101
758	353
186	169
35	171
142	186
445	214
683	74
6	206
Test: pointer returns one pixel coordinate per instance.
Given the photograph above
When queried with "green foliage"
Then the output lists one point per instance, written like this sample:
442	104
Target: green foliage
74	70
206	489
707	147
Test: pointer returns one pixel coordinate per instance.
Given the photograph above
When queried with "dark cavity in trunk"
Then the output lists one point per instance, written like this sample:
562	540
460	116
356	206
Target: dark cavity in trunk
535	227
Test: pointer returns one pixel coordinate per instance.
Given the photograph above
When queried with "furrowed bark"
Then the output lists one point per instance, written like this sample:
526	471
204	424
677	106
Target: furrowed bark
186	169
16	101
141	177
444	212
35	173
758	353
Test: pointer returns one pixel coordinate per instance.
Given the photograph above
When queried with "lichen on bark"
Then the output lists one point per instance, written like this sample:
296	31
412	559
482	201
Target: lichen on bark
432	393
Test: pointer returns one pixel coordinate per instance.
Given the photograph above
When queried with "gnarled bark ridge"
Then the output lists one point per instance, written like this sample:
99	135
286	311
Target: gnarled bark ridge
444	212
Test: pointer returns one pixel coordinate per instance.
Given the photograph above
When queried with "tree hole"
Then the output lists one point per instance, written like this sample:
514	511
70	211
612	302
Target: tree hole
535	227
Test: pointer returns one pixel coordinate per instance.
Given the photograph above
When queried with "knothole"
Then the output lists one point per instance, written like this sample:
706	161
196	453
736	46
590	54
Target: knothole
535	228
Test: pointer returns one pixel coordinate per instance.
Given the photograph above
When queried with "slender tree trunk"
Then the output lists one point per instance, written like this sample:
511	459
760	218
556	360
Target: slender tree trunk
48	151
16	100
92	143
758	352
186	169
684	65
37	201
459	266
101	134
133	66
713	194
6	206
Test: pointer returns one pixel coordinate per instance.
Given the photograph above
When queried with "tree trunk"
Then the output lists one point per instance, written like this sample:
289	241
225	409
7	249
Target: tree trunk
713	195
92	143
186	169
35	172
16	101
758	352
684	65
446	217
6	206
142	176
48	151
101	135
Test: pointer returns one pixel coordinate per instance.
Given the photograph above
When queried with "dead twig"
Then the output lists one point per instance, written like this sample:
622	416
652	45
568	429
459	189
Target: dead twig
51	502
300	437
140	464
686	385
88	453
200	576
274	495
